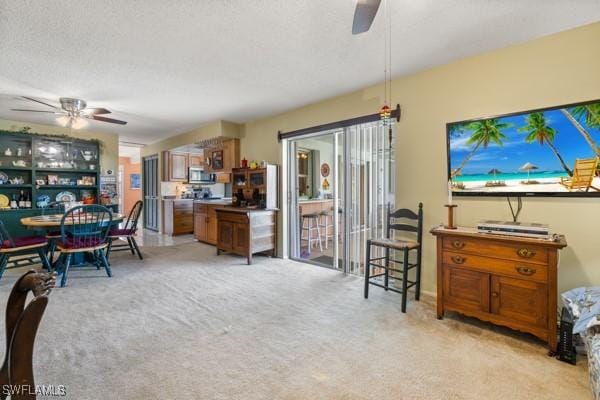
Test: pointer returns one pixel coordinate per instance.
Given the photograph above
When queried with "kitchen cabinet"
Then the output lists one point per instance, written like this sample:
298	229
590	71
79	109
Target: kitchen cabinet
196	160
178	216
205	222
175	166
223	158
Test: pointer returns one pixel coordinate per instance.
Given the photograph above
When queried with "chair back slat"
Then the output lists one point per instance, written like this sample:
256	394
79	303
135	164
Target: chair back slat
404	227
134	216
86	226
404	213
5	237
405	220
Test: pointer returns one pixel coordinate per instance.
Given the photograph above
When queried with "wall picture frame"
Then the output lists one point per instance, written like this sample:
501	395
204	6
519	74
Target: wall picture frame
134	181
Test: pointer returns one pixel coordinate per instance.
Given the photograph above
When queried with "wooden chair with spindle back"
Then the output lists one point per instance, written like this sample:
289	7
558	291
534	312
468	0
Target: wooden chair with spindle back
84	229
22	323
128	232
409	222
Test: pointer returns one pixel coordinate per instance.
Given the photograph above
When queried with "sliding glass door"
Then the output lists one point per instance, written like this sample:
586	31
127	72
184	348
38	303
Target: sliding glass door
315	198
340	183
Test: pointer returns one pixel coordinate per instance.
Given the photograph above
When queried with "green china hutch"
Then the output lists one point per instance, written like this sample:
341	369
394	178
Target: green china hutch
45	169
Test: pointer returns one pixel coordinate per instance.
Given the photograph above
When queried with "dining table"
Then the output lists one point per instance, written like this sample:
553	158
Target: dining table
51	222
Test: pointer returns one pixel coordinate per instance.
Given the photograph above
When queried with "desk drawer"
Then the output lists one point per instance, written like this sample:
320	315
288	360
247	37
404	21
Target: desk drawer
535	272
517	252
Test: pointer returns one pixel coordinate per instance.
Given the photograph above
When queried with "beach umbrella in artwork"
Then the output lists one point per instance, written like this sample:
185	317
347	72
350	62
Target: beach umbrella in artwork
528	167
494	171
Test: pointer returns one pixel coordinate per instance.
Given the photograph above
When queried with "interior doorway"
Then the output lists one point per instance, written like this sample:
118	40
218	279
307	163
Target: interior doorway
341	182
150	189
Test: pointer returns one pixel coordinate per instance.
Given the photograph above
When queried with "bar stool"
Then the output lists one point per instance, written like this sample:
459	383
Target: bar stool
310	223
326	217
407	224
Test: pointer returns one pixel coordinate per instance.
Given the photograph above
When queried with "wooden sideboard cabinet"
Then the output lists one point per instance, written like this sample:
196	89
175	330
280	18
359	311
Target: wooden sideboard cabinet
506	280
245	231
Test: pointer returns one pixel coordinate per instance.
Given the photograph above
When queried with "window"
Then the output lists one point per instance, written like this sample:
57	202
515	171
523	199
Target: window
305	173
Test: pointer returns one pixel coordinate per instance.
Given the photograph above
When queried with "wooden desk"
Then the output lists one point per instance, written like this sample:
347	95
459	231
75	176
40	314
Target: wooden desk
506	280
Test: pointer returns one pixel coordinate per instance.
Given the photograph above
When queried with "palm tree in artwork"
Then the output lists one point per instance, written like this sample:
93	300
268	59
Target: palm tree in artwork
591	114
483	133
538	130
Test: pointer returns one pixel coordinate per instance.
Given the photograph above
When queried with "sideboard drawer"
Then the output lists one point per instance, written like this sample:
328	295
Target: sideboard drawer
517	252
535	272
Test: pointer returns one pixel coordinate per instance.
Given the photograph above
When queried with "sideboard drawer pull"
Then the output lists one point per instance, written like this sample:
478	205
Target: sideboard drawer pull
457	244
527	271
458	259
525	252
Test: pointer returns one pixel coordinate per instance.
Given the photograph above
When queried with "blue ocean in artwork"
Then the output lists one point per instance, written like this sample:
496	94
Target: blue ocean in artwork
514	176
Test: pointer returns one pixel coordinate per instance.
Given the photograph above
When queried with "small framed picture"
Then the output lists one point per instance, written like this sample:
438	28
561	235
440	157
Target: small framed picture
40	182
134	181
52	179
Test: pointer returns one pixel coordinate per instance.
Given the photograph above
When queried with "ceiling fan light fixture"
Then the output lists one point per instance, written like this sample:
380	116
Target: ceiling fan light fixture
63	120
78	123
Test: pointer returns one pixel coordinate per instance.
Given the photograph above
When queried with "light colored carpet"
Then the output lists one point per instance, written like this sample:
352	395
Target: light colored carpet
186	324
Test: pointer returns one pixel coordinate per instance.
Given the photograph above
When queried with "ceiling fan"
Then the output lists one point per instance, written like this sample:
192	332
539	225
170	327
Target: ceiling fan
364	14
73	112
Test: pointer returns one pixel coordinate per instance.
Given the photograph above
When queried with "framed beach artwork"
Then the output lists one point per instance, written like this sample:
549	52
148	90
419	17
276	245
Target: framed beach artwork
546	152
134	181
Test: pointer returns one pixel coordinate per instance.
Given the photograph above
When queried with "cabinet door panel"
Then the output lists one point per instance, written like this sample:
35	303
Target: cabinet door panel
241	239
225	235
519	299
200	227
466	289
211	229
179	166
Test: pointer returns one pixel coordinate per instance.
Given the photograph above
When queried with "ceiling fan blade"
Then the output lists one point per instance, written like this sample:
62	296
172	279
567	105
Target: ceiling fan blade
38	111
104	119
96	111
41	102
364	14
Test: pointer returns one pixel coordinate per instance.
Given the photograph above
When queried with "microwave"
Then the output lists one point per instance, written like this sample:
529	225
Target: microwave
197	175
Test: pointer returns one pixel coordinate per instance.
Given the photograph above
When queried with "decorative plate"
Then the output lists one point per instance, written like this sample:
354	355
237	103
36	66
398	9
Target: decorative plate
325	170
65	196
43	200
3	177
4	201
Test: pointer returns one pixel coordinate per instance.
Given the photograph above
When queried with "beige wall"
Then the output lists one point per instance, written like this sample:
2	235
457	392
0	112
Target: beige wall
109	155
554	70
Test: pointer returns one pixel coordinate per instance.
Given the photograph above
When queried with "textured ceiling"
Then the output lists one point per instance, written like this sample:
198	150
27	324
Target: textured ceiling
169	66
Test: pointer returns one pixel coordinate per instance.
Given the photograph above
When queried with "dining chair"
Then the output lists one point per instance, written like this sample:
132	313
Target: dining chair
84	229
57	207
22	323
411	224
28	245
128	232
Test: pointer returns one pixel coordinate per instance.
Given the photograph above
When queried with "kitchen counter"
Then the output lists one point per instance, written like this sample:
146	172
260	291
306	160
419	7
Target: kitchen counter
245	210
315	201
223	202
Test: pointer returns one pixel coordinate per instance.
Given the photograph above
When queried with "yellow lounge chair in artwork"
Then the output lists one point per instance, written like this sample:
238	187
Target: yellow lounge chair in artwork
583	175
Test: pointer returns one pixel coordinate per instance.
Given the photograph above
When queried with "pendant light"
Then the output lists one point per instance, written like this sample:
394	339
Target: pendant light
385	112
